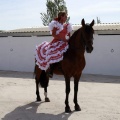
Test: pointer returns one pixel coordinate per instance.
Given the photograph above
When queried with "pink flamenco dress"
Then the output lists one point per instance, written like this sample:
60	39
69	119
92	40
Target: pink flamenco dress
52	52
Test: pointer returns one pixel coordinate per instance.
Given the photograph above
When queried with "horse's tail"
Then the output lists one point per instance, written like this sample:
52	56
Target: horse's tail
44	79
41	77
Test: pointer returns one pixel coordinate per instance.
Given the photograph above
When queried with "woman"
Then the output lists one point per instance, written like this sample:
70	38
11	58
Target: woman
48	53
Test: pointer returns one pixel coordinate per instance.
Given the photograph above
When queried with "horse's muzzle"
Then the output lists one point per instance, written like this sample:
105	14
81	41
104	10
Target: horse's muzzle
89	49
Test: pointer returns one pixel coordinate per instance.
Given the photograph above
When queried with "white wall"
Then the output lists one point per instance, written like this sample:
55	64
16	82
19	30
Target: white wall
105	58
17	54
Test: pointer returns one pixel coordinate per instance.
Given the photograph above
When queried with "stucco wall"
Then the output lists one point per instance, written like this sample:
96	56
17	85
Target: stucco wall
17	54
105	59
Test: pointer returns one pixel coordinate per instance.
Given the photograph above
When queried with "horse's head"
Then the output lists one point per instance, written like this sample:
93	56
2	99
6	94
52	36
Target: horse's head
87	35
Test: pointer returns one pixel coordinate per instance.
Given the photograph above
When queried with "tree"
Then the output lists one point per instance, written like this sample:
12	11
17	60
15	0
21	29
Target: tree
53	7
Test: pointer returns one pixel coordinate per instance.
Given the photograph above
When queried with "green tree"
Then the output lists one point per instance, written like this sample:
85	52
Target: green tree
53	7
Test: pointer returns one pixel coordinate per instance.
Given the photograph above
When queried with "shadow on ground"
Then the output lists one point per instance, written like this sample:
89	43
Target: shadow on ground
14	74
84	77
29	112
92	78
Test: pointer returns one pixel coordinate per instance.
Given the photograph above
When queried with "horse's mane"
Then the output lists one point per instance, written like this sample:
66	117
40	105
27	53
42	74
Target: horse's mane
88	30
74	35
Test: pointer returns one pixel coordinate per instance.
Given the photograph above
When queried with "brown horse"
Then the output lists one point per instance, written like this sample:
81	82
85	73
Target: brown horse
72	65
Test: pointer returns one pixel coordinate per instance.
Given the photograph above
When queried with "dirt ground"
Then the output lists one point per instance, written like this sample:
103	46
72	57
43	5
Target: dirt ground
98	96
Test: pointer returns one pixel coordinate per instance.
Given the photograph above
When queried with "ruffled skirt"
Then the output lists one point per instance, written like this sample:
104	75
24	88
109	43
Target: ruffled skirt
48	53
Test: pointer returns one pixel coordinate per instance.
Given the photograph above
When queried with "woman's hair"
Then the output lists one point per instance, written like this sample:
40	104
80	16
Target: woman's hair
61	13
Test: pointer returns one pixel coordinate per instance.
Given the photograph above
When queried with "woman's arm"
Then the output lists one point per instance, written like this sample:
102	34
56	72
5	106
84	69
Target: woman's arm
58	36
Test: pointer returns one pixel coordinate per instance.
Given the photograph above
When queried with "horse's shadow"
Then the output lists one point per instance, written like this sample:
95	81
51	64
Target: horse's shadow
29	112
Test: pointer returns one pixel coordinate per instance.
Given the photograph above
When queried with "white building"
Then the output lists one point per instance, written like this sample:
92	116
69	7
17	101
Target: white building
17	49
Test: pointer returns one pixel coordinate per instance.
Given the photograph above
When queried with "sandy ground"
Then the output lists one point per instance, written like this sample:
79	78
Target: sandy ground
98	96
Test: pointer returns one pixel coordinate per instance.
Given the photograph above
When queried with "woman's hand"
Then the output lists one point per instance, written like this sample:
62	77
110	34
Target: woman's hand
59	36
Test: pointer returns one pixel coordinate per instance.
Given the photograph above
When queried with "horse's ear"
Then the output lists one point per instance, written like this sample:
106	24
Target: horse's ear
83	22
92	23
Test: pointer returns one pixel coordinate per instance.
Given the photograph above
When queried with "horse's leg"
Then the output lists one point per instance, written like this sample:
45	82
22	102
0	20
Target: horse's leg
45	93
76	80
37	72
67	82
37	90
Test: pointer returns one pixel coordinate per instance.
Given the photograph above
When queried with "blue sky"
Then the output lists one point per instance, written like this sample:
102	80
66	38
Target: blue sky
15	14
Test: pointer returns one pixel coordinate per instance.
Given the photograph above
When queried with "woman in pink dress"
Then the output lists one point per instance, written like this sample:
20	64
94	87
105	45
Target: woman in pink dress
48	53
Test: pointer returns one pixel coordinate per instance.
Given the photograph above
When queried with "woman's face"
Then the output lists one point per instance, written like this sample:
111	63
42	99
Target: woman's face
64	18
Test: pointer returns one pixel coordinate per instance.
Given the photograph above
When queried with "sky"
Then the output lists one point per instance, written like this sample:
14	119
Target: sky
16	14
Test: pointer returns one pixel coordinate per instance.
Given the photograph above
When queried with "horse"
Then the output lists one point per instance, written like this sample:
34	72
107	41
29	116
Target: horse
72	64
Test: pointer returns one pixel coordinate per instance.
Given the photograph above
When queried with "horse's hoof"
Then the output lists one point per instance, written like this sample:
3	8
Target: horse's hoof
67	109
47	100
38	99
77	108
